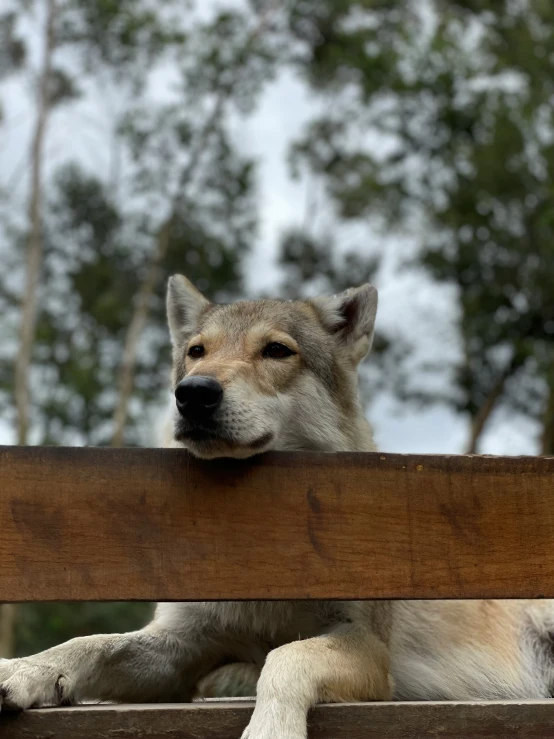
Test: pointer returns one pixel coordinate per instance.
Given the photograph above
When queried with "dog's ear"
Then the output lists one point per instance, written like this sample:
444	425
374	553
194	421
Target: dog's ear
184	305
350	317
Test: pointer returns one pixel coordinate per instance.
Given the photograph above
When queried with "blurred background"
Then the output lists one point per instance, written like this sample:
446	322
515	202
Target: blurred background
274	147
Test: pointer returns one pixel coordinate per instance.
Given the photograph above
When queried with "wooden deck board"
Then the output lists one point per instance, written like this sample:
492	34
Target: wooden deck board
226	720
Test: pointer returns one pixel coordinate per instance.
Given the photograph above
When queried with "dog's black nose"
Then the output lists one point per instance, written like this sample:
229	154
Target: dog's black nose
198	396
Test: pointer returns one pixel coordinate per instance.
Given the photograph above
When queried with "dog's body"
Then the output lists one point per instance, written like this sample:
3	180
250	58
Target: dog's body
273	375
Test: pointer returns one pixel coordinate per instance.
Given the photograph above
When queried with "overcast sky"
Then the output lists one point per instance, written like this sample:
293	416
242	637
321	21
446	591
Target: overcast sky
407	300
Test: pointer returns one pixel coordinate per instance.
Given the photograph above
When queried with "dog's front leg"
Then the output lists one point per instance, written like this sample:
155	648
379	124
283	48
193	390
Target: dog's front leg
348	664
147	665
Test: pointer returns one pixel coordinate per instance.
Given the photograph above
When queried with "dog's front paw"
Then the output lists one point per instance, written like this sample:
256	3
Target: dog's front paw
269	732
275	722
24	683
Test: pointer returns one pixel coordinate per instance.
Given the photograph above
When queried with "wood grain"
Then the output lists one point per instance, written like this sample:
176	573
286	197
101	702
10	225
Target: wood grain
347	721
100	524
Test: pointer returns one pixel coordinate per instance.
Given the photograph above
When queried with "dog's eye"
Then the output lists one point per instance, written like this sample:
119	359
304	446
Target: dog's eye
277	351
197	351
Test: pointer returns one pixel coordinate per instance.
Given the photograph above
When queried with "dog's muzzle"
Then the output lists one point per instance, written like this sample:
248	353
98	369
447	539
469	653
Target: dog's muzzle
198	398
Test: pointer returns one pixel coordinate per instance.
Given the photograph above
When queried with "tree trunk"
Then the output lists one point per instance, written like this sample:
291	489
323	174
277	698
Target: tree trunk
7	630
33	265
481	418
33	257
134	332
547	436
142	308
150	283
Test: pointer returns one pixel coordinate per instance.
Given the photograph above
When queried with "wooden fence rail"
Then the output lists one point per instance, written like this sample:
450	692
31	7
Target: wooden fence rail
100	524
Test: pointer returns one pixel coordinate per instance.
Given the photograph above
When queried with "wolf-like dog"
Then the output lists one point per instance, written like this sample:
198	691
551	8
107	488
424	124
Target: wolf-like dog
269	374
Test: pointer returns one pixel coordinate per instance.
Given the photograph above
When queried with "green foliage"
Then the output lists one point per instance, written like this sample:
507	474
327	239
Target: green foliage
13	50
180	164
461	94
124	36
316	264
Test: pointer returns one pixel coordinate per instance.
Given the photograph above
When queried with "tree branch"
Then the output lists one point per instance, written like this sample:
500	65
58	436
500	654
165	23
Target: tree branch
149	285
481	418
547	436
34	251
150	282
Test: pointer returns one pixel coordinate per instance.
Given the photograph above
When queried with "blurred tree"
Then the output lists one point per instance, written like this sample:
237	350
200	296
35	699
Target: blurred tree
196	175
12	57
459	97
315	265
185	201
33	248
81	41
13	49
85	30
96	257
44	82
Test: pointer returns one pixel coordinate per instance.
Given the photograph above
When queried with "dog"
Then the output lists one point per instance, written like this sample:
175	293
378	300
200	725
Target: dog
249	377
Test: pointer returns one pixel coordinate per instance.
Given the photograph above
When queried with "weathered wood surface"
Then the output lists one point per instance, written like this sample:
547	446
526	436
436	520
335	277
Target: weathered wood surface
346	721
99	524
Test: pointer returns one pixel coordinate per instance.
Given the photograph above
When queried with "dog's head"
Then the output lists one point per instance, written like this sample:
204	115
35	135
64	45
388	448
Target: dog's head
268	374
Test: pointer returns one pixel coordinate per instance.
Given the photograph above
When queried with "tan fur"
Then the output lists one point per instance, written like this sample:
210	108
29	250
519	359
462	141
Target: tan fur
302	652
227	359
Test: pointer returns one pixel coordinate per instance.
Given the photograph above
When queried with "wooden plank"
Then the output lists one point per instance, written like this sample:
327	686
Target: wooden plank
527	720
99	524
